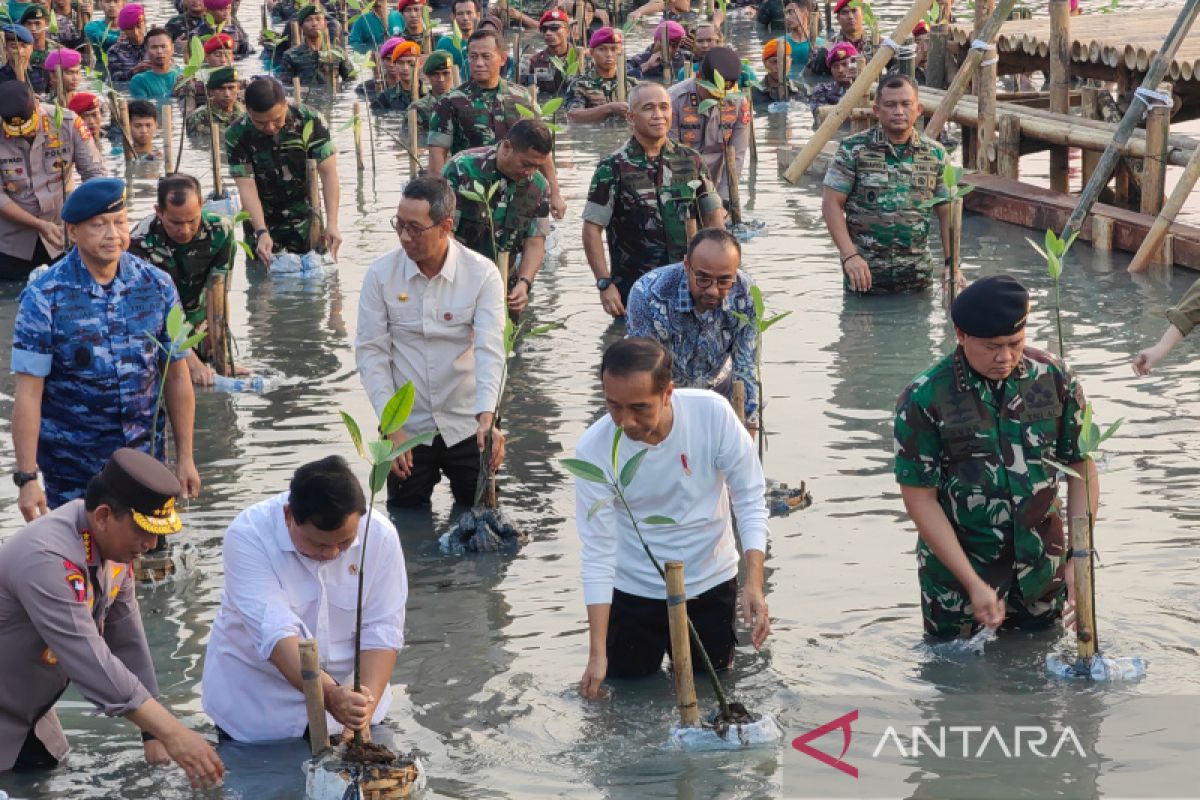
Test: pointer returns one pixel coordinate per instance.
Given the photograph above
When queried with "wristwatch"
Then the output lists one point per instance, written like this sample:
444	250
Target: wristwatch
603	283
22	478
528	283
258	234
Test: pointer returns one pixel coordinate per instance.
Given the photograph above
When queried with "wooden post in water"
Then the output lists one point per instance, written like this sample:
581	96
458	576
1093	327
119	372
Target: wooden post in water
1089	108
1085	611
781	65
731	179
962	80
294	31
414	143
516	56
956	215
297	92
1102	233
622	87
358	146
1008	147
664	45
859	89
167	117
907	63
1154	165
737	399
314	696
316	226
681	646
214	133
935	65
1060	84
123	107
985	91
219	351
1154	238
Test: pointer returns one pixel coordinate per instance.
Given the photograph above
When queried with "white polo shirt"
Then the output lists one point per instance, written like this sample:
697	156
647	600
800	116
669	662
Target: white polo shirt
272	592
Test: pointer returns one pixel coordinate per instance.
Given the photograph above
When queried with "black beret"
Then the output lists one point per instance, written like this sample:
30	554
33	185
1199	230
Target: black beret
993	306
93	198
17	100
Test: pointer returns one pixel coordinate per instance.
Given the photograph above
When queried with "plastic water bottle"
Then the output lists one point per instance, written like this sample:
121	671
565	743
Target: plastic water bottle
254	383
1101	668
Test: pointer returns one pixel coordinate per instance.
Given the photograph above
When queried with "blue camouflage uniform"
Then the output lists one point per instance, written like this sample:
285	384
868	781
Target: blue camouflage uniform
96	348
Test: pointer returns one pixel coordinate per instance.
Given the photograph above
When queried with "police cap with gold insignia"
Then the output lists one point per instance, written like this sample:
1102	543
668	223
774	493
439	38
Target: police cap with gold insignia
222	76
993	306
92	198
146	487
17	108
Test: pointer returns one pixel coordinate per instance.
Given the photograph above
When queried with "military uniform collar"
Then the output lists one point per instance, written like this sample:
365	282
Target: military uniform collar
966	379
84	279
879	138
635	148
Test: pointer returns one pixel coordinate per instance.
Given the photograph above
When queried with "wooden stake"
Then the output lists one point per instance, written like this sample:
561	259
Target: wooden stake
297	93
862	84
214	132
737	399
731	179
1089	108
516	56
1085	611
1060	85
681	645
1154	165
167	115
955	232
1102	233
962	80
314	696
1008	147
1179	195
316	228
985	91
622	88
935	65
358	145
123	106
414	143
664	49
219	351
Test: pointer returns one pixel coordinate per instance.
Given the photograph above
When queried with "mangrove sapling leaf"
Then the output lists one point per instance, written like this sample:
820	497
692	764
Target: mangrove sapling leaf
599	504
525	112
584	469
1062	468
659	519
456	34
552	105
631	467
615	445
355	433
397	410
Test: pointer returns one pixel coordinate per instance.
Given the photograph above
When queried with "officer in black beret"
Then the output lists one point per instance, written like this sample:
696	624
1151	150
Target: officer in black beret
978	440
71	615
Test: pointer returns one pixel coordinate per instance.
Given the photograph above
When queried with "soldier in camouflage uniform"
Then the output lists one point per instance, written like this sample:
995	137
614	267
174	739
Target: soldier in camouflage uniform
439	76
37	21
223	105
267	152
977	436
130	49
400	70
519	210
87	370
312	60
542	72
644	196
874	190
593	96
852	30
221	12
481	111
189	244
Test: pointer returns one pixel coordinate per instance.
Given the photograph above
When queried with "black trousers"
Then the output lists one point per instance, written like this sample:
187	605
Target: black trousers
459	463
33	756
18	269
639	635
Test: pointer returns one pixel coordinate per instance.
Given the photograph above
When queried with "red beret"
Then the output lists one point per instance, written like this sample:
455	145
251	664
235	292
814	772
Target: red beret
217	41
840	5
554	15
83	101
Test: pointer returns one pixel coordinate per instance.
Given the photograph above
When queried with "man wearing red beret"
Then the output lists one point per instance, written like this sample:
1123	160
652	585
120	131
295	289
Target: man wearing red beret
850	29
544	70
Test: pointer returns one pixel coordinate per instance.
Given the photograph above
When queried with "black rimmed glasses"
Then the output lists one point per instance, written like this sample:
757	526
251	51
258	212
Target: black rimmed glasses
410	228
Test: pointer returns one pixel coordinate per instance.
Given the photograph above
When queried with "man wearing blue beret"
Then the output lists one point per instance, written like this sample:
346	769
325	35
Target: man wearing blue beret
18	50
87	356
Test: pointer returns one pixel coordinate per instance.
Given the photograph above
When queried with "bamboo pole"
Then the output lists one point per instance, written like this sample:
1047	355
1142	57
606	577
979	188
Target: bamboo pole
516	56
622	87
1154	238
123	107
664	45
781	67
297	92
414	143
681	646
580	18
1154	165
906	64
731	179
1085	611
214	132
1060	85
1132	116
219	350
955	233
1102	233
358	143
737	399
314	696
958	86
862	84
167	114
935	66
316	227
1089	108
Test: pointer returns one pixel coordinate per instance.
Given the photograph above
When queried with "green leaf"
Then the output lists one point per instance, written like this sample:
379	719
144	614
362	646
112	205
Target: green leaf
1062	468
631	467
306	134
1111	430
195	52
556	128
378	452
541	330
740	317
1052	242
551	106
705	105
963	191
658	519
396	412
175	323
756	295
584	469
467	193
242	216
599	504
525	112
411	443
355	433
616	443
378	479
1054	267
769	322
192	341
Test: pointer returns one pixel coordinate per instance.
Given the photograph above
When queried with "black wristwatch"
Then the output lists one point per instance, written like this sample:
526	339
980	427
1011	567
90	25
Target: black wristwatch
528	283
22	478
258	234
603	283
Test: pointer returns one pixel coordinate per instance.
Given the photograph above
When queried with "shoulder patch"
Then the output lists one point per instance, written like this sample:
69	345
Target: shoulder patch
76	581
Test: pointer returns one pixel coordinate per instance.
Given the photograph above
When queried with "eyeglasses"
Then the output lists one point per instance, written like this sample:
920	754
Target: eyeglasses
552	28
410	228
705	281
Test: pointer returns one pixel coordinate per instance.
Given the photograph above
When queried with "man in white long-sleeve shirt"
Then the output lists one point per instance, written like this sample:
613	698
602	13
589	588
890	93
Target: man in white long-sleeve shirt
699	457
291	573
432	312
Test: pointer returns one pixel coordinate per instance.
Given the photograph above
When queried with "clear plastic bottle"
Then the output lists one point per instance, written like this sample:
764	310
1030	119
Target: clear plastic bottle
254	383
1101	668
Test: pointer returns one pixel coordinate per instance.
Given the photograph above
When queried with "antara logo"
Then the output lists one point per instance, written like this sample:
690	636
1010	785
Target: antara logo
841	723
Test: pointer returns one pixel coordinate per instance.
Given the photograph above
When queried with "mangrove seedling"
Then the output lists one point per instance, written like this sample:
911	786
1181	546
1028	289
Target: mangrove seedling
379	454
1055	254
955	192
546	113
483	194
180	337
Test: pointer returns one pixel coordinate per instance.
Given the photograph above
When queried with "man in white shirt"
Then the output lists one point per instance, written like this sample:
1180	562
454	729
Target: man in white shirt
432	312
291	573
700	457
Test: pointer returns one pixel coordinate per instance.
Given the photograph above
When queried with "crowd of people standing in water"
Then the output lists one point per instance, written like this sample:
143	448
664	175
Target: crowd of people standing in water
977	435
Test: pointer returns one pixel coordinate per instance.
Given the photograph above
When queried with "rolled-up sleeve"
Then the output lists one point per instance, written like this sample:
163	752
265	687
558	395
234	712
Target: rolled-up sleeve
372	344
386	597
65	624
597	533
32	351
738	462
489	342
253	591
1186	314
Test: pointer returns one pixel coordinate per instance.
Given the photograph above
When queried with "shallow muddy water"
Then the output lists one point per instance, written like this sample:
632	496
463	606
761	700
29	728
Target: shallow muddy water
495	645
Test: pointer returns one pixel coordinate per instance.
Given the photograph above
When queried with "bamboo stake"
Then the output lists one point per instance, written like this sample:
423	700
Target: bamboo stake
1089	108
1154	238
294	30
737	399
1132	116
316	227
781	59
681	646
218	324
955	233
985	92
297	93
1085	609
1060	85
580	18
167	112
622	88
60	91
314	696
664	45
414	165
214	132
1154	165
358	144
516	56
123	107
935	66
862	84
731	180
958	87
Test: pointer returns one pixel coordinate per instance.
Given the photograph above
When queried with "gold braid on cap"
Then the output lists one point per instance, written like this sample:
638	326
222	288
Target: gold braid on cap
16	126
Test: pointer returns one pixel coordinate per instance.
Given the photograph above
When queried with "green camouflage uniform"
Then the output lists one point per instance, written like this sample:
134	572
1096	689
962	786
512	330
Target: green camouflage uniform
425	107
470	116
277	164
984	446
885	185
200	120
590	90
191	264
517	210
393	98
542	72
314	65
644	205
